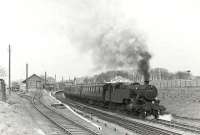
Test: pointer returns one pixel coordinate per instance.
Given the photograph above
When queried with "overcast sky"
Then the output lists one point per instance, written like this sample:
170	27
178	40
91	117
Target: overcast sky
41	33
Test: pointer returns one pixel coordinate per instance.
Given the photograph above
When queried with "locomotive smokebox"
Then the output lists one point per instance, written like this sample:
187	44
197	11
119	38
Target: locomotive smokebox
146	82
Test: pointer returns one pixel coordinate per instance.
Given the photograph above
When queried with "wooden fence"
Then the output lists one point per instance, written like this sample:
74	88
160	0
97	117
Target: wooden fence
178	83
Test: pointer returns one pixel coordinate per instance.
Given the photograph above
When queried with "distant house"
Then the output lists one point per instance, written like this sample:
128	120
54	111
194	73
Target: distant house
34	81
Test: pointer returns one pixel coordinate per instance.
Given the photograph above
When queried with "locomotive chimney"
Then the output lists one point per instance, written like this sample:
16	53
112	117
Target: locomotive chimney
146	82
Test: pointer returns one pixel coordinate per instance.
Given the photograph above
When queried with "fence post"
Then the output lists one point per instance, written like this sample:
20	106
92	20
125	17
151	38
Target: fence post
160	84
3	90
167	84
185	83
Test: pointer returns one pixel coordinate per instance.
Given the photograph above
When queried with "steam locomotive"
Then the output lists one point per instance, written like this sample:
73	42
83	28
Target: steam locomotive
140	100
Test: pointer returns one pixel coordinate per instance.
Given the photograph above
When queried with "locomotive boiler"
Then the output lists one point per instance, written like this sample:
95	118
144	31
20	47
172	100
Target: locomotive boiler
141	100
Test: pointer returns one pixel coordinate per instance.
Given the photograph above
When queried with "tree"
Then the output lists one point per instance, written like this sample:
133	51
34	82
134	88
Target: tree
160	74
2	72
49	79
182	75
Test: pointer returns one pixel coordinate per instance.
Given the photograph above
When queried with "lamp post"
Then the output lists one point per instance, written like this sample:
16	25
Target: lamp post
188	71
189	78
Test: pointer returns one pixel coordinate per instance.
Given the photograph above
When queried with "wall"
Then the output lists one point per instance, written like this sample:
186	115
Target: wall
35	82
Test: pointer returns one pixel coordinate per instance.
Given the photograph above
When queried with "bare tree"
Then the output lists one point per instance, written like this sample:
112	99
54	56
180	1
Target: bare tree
182	75
50	79
160	74
2	72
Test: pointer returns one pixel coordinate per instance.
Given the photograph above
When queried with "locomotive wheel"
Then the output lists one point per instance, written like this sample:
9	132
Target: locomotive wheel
156	116
157	113
90	102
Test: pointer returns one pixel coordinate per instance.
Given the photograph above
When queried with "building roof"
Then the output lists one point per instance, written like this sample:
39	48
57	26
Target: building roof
31	77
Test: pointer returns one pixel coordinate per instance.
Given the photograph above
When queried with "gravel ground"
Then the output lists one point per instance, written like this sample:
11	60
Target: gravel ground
18	117
47	127
14	118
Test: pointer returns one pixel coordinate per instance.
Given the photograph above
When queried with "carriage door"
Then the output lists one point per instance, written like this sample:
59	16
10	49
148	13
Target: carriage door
108	92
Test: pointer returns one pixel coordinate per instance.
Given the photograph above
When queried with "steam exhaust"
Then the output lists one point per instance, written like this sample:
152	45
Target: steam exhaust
167	117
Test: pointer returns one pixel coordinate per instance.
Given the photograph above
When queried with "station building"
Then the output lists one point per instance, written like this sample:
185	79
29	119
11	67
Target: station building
34	82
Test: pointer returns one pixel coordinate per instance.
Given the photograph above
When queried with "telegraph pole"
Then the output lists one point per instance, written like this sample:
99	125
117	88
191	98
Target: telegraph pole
9	77
26	77
55	86
45	78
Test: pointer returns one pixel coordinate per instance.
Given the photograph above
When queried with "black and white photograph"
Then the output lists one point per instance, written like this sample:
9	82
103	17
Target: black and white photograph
100	67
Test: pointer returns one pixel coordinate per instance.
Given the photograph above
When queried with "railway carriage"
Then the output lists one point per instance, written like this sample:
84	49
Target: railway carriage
94	92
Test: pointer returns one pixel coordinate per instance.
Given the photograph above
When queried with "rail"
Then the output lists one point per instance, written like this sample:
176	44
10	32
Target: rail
137	127
69	126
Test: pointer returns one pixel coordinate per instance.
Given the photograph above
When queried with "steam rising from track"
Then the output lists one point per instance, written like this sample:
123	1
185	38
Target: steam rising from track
116	49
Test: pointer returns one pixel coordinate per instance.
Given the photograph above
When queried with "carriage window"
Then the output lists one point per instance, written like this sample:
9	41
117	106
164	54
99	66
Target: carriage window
111	89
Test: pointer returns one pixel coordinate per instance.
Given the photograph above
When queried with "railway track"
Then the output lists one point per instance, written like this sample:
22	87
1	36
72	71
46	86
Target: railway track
134	126
186	118
69	126
177	125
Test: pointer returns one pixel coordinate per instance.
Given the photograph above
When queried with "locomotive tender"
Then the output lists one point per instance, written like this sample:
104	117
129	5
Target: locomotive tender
133	97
